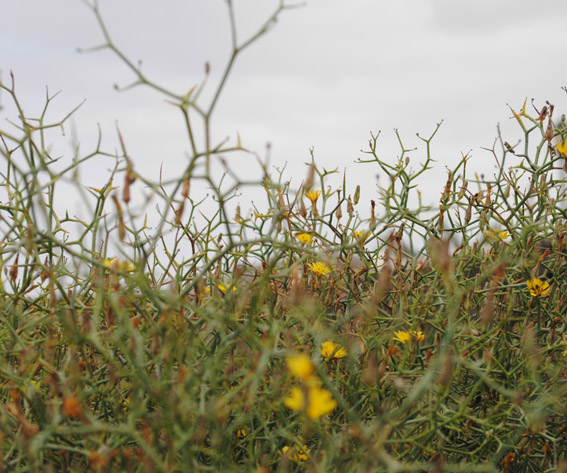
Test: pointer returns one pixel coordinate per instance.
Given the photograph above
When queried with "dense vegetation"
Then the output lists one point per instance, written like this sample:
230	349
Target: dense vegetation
296	337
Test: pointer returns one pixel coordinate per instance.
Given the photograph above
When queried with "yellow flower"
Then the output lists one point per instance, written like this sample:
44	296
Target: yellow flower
497	235
313	196
330	349
35	385
402	336
110	262
538	288
125	404
319	403
362	235
405	337
418	335
562	148
241	433
304	238
116	264
296	454
319	268
300	366
223	288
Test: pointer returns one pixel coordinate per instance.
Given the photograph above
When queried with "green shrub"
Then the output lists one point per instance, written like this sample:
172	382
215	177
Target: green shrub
299	336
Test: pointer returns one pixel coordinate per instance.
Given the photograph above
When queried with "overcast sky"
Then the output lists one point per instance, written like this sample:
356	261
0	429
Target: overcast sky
325	77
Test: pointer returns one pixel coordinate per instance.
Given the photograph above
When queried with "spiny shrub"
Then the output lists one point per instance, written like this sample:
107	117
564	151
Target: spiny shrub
295	337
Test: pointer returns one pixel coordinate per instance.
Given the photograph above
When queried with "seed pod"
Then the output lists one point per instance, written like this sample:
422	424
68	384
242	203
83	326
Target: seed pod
185	188
447	190
121	228
349	207
549	132
14	269
542	180
126	192
179	212
357	195
29	239
302	209
543	114
441	218
129	179
487	199
120	217
339	213
463	190
44	273
468	213
281	202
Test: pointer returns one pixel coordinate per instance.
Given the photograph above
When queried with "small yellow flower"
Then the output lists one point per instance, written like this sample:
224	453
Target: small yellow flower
562	148
241	433
538	288
296	400
116	264
223	288
564	352
361	235
401	336
319	403
34	384
313	196
304	238
319	268
497	235
330	349
405	337
296	454
201	293
300	366
125	404
418	335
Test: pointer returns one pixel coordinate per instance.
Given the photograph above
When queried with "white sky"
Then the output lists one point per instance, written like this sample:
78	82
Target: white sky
324	77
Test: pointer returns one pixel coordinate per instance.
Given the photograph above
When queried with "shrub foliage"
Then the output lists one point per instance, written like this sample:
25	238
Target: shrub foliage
299	336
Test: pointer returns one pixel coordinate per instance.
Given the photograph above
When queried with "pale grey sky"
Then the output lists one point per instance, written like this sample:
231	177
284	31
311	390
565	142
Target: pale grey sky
324	77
